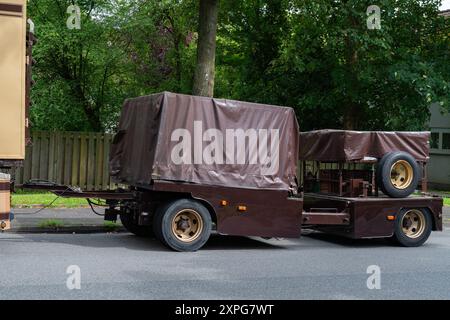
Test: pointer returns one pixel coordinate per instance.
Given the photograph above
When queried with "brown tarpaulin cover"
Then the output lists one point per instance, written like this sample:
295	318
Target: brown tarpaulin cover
340	145
143	147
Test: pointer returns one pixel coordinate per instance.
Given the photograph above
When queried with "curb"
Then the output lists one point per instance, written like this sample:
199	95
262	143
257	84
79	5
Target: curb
67	230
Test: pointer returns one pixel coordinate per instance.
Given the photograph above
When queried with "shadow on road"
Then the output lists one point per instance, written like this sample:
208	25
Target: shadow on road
310	239
347	242
132	242
222	242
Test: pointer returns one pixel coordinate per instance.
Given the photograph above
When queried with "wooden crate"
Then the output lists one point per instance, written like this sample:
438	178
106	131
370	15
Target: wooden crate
5	203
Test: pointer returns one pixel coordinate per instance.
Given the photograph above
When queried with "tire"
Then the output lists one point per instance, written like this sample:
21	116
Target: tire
398	174
131	225
411	233
182	225
378	172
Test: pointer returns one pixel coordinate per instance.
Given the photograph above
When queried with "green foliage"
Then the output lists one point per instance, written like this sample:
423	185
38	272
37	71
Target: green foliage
316	56
123	49
321	58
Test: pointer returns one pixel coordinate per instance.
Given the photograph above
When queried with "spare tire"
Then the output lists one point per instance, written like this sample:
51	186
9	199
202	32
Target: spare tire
378	175
398	174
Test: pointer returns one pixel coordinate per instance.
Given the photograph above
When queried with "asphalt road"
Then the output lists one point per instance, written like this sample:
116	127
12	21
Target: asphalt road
122	266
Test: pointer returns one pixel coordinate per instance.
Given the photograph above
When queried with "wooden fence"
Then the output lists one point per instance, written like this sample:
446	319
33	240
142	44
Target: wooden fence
69	158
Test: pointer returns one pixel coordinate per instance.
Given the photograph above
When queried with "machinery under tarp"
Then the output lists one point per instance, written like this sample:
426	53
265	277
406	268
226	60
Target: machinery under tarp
345	146
183	138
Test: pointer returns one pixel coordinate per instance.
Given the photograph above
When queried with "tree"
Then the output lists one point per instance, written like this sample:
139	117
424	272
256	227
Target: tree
206	48
317	56
250	36
123	49
331	68
76	70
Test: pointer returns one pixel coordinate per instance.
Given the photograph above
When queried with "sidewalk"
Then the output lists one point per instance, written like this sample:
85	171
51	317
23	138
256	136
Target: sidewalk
79	220
446	214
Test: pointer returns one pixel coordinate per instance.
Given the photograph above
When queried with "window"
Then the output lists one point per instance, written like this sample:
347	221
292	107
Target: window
434	142
446	141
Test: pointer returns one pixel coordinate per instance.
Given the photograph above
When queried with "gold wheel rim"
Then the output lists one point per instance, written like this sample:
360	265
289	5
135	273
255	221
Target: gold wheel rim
401	174
413	223
187	225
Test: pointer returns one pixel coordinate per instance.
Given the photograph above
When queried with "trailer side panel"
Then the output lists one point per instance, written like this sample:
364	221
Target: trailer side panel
245	212
369	216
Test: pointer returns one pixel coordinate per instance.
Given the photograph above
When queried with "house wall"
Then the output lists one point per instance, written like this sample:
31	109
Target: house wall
439	165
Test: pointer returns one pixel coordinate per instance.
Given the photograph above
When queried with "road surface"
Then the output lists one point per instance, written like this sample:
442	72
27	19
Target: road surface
122	266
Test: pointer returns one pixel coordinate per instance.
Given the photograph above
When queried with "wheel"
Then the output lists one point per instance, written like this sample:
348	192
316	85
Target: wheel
182	225
412	227
398	174
131	225
378	175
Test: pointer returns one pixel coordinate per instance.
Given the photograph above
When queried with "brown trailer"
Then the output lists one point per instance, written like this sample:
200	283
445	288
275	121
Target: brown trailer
198	162
354	163
194	164
186	176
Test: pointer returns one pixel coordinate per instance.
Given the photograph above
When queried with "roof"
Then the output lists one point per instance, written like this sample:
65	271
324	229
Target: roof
445	13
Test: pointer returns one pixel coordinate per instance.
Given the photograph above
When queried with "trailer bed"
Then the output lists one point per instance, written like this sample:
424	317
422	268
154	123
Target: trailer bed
370	217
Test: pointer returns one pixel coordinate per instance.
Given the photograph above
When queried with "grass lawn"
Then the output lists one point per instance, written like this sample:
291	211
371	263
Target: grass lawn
26	199
443	194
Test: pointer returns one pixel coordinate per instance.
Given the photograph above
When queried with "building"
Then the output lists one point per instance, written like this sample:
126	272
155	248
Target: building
439	165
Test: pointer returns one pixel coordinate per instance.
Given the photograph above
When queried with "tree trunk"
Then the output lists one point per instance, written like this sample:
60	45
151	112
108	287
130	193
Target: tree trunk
352	111
176	43
351	117
177	39
206	49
